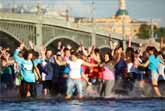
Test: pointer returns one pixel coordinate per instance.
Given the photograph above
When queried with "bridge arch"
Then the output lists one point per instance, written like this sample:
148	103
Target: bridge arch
7	39
53	43
10	34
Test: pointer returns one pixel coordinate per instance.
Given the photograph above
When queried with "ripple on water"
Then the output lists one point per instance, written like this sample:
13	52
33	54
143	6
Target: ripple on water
75	105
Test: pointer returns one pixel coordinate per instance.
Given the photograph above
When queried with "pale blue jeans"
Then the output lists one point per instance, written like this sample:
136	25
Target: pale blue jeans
72	83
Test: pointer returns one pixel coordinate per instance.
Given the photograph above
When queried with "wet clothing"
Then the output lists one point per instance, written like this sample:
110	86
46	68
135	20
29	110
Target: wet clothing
49	68
8	76
154	63
28	82
108	73
95	72
75	75
108	80
26	67
75	69
107	88
120	68
72	83
47	84
161	70
153	66
25	87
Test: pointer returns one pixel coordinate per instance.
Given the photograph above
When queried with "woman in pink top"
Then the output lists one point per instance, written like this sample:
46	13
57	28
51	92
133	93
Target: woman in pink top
108	76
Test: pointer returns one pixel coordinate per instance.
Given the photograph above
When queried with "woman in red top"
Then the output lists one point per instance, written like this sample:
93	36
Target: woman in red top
95	72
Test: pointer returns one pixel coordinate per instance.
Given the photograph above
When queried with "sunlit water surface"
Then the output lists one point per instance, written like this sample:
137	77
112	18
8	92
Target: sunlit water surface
87	105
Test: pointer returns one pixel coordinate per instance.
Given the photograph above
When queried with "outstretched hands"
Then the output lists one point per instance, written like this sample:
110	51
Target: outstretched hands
59	45
22	45
31	44
43	49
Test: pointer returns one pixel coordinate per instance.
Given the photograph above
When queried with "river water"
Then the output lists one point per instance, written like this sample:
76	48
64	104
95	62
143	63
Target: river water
10	101
86	105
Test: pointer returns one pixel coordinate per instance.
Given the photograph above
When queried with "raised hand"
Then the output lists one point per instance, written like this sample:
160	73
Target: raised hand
69	46
43	49
59	44
31	44
22	45
81	44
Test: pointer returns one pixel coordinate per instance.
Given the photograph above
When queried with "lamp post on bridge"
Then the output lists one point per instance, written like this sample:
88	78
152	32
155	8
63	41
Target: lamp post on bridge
13	8
93	24
152	29
39	37
123	34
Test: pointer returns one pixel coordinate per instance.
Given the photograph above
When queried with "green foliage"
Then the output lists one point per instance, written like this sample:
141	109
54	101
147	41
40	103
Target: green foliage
145	32
161	32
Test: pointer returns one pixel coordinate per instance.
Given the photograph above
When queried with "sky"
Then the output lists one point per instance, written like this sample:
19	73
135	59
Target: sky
137	9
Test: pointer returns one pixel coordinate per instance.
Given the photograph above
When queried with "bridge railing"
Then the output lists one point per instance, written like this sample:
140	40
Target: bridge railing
50	21
55	21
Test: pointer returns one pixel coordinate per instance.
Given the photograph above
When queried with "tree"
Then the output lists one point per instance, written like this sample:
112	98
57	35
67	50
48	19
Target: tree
145	32
161	32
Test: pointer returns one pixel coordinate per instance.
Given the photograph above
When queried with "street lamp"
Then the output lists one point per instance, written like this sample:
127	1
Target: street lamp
152	29
93	24
123	34
39	9
13	7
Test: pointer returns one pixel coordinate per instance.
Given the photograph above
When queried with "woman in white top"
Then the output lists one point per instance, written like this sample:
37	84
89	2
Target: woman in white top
75	75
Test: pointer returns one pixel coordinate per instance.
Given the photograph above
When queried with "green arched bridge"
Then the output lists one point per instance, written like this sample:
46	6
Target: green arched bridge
46	30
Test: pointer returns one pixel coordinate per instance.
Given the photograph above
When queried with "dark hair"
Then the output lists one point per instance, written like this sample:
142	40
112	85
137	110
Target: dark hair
137	52
152	48
66	49
103	57
149	48
96	50
129	50
131	56
35	54
81	53
3	58
75	54
120	46
109	54
26	53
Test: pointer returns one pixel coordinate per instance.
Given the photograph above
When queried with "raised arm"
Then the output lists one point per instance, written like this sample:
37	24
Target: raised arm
31	44
89	65
16	53
145	64
60	63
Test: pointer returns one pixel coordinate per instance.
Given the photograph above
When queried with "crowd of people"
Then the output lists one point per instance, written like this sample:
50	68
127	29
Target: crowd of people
77	72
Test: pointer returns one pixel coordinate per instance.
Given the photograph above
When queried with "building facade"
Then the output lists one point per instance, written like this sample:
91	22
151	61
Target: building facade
121	22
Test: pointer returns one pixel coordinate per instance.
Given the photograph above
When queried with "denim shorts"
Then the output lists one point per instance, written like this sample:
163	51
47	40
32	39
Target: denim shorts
154	75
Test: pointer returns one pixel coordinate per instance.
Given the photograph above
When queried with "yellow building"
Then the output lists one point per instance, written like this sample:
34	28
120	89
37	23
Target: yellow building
121	22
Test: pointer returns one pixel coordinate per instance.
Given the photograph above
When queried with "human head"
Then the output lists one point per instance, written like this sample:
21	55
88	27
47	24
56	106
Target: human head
74	56
107	57
28	55
49	53
152	50
120	49
35	55
67	52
